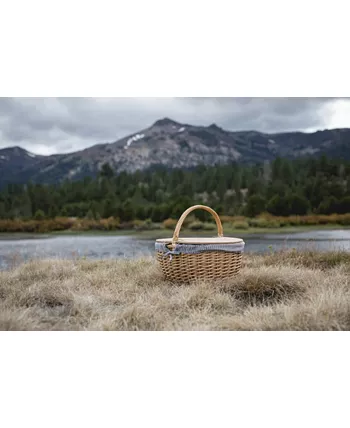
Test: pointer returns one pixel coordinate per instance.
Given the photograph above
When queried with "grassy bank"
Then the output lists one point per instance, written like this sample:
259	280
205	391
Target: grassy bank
279	291
232	226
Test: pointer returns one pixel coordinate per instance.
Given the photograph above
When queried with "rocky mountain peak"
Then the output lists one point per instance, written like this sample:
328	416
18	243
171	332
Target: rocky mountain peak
165	122
173	145
215	127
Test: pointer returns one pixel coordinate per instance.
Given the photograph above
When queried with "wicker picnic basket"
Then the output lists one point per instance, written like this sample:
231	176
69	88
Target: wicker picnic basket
187	259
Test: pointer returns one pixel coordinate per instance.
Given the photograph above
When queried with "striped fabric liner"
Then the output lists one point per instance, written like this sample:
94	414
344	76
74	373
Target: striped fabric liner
195	249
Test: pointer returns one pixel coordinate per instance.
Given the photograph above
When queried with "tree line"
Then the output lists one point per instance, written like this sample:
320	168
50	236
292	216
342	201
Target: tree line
281	187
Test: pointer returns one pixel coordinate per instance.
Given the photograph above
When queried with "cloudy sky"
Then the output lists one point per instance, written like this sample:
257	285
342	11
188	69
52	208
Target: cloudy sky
60	125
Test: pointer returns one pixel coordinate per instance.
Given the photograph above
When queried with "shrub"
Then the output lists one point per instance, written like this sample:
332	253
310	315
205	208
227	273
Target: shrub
60	223
293	220
196	225
170	223
11	226
227	219
278	205
30	226
139	225
239	218
265	222
190	219
274	224
259	222
240	225
90	215
145	225
345	220
110	223
39	215
126	225
209	226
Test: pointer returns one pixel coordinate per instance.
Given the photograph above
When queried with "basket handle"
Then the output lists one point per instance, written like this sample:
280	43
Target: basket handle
196	207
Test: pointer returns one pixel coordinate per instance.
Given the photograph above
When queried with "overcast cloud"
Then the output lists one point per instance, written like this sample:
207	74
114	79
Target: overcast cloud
59	125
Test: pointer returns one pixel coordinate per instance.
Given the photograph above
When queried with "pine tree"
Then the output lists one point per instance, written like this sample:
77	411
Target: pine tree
256	204
298	205
106	171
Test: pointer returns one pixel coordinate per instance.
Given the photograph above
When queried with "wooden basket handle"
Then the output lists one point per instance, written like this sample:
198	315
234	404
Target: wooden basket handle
185	214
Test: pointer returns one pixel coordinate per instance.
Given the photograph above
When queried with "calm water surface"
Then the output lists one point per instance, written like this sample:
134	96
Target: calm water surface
104	247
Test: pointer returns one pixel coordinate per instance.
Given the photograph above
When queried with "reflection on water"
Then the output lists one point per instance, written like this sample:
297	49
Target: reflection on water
103	247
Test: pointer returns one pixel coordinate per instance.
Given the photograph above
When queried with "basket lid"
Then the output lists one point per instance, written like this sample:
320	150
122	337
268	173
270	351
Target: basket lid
202	240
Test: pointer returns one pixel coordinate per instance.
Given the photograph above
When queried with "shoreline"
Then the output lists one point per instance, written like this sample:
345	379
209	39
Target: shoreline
164	233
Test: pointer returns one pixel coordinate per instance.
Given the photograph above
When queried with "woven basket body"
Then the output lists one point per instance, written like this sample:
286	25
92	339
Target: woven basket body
188	259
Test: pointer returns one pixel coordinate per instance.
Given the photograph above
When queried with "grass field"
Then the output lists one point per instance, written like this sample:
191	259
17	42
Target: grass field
278	291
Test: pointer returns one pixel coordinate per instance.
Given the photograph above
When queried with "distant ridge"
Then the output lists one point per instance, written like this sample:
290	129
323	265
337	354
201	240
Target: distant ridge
174	145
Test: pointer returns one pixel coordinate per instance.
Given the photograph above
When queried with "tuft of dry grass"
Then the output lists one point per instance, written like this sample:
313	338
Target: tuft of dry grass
286	290
269	285
309	259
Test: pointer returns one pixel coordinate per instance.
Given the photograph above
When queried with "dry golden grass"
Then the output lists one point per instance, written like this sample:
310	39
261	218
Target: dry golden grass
280	291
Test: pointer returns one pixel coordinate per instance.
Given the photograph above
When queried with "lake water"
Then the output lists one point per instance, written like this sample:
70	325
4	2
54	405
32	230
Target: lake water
103	247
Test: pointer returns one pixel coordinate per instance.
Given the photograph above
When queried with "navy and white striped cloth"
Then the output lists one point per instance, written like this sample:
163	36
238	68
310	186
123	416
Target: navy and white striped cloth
198	248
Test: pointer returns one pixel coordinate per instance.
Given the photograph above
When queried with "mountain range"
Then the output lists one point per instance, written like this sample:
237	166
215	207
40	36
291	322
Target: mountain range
174	145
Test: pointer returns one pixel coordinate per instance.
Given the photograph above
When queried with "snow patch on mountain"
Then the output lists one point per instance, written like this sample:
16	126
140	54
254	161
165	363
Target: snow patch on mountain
132	139
74	171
